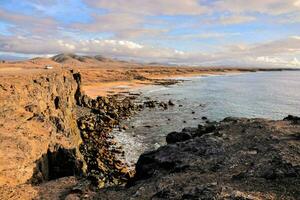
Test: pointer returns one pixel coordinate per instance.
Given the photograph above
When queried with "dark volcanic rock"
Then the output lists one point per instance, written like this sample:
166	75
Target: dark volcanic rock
150	104
171	103
232	159
177	137
294	119
161	104
104	158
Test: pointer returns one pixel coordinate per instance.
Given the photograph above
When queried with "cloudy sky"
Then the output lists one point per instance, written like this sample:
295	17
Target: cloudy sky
194	32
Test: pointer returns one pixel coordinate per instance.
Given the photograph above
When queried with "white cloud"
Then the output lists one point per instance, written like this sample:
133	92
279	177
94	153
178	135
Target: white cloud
123	25
151	7
272	7
275	61
27	23
296	37
130	22
284	52
297	3
113	48
236	19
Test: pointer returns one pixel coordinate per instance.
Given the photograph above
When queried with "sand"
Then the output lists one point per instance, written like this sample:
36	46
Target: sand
102	78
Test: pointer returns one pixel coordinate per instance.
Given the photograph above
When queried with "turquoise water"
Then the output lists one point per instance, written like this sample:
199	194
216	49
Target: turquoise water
264	94
271	95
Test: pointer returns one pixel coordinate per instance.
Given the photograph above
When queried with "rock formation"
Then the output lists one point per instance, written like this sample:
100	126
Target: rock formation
55	143
49	129
106	165
37	121
233	159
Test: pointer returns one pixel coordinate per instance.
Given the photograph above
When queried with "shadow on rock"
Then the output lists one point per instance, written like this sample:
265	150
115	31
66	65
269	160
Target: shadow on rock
56	163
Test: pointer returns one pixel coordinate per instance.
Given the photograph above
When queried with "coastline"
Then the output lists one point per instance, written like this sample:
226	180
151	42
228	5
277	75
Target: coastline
102	87
124	86
63	146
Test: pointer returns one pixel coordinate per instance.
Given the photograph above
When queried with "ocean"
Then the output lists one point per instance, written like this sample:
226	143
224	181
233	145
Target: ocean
272	95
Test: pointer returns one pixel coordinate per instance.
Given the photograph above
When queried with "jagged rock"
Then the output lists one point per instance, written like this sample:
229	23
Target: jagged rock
294	119
153	104
58	123
232	159
177	137
99	148
39	113
150	104
170	103
163	105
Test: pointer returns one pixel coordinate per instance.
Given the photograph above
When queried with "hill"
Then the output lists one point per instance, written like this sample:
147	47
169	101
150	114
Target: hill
79	60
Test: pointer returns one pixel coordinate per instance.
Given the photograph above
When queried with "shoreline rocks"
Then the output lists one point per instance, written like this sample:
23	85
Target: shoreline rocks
159	104
105	161
236	158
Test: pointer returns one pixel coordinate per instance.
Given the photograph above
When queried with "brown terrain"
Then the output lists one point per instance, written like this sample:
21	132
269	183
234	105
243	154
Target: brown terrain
103	76
55	140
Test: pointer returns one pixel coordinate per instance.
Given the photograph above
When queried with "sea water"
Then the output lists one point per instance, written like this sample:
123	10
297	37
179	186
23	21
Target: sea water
272	95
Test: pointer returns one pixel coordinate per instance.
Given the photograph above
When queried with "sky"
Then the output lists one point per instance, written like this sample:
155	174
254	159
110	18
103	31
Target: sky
189	32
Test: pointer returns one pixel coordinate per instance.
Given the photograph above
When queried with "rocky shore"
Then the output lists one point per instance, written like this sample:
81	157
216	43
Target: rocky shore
56	143
50	129
232	159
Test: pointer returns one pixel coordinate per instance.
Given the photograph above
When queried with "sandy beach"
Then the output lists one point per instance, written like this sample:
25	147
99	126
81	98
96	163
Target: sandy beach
111	76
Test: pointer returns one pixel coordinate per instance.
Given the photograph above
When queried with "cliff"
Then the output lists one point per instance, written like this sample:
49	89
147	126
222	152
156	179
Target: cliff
37	125
50	130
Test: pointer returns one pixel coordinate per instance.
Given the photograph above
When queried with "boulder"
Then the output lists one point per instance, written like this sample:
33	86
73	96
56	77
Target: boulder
294	119
177	137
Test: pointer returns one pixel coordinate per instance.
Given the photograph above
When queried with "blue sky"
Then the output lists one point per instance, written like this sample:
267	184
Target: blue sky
194	32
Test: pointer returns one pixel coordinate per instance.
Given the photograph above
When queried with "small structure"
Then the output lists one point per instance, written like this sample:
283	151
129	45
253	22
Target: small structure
48	67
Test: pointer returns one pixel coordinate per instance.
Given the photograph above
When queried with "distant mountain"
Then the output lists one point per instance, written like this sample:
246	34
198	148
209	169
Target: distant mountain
68	60
73	58
102	59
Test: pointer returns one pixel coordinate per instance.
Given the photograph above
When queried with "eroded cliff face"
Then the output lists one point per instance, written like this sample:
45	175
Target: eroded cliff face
39	138
51	131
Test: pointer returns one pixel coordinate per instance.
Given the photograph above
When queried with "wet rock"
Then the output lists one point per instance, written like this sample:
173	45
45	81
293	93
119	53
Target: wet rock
163	105
205	192
177	137
294	119
104	158
150	104
231	159
171	103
